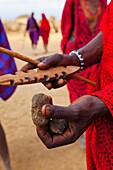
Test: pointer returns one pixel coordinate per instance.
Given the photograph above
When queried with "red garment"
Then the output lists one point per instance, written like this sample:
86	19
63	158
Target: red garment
44	29
82	35
100	133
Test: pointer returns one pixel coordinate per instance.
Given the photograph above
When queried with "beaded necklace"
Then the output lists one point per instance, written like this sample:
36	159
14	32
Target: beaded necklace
95	14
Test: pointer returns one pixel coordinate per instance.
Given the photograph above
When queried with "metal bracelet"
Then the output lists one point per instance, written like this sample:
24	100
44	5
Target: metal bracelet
80	58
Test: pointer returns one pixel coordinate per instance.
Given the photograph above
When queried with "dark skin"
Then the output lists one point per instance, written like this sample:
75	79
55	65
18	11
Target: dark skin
83	111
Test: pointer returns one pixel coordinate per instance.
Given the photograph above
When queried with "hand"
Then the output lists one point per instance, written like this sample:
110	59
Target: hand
53	60
50	61
80	114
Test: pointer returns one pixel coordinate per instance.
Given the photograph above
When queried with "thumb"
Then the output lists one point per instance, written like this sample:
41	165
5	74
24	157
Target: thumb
42	66
50	61
57	112
46	63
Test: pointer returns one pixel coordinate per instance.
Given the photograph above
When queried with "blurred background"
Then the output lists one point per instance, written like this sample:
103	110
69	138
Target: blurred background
26	150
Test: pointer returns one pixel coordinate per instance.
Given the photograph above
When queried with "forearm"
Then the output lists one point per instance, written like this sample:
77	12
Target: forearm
92	52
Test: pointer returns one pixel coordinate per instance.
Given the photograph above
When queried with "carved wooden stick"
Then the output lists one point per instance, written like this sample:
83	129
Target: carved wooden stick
84	79
19	56
35	62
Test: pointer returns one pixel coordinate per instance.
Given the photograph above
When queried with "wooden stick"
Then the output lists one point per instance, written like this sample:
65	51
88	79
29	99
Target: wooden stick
83	79
19	56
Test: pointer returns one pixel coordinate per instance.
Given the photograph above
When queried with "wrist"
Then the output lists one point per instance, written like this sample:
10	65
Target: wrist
77	59
93	107
98	108
88	109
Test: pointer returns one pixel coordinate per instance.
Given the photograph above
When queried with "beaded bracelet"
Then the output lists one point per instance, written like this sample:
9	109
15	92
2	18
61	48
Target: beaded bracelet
80	58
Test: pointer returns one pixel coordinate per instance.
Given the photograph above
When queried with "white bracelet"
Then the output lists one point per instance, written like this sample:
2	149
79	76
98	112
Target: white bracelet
80	58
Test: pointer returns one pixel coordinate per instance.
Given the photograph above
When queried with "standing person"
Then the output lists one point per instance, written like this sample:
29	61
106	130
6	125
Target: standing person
92	113
7	65
79	24
33	29
45	31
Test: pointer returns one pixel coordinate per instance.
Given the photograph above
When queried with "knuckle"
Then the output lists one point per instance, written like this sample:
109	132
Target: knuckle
57	112
48	145
73	138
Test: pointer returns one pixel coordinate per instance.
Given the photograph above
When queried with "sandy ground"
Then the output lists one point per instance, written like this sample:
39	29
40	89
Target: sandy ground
27	152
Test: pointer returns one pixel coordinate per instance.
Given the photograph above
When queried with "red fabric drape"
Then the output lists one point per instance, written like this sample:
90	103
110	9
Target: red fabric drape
100	134
82	31
82	35
44	29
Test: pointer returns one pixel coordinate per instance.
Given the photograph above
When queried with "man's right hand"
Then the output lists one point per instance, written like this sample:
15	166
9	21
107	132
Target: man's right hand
79	115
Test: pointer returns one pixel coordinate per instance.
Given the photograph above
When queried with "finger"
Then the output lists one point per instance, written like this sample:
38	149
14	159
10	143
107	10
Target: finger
69	136
41	59
50	61
62	82
55	84
43	134
58	83
48	85
56	140
50	98
58	112
28	67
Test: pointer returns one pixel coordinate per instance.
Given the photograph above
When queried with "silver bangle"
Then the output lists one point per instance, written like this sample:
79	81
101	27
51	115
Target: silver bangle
80	58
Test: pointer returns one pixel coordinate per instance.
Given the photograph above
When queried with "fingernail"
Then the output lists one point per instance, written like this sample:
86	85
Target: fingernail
41	63
47	110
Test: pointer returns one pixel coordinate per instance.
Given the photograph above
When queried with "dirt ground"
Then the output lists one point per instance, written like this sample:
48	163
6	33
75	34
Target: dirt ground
27	152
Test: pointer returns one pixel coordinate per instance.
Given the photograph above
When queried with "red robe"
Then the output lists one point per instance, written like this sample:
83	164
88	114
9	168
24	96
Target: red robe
99	135
82	35
44	29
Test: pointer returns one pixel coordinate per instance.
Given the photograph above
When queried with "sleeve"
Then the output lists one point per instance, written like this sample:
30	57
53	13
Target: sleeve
105	18
104	4
66	21
65	16
106	95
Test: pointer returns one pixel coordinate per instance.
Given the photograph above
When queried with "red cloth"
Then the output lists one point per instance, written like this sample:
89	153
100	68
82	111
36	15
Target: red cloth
100	133
81	25
44	29
82	35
